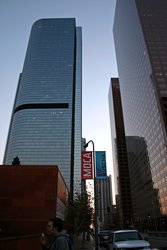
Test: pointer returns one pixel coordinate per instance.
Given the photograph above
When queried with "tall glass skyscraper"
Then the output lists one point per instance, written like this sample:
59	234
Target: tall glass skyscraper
140	35
120	159
46	125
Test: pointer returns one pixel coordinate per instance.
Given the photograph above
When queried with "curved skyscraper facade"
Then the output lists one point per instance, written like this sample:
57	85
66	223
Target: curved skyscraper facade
45	126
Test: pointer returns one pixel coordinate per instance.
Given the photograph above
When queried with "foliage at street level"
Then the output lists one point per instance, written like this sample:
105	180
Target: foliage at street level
82	212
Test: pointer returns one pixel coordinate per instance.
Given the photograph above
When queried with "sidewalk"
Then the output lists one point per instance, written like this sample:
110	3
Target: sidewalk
79	244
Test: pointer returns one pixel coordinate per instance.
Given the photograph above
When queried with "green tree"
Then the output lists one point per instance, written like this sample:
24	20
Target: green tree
82	212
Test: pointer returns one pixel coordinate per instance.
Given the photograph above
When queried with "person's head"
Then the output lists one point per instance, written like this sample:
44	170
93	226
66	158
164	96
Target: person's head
54	226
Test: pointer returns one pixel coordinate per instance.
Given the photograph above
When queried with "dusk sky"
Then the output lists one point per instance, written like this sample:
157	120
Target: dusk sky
99	63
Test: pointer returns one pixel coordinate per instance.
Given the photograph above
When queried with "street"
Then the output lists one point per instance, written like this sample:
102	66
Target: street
158	244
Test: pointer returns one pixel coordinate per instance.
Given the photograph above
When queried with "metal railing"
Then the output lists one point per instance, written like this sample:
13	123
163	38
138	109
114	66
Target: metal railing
157	234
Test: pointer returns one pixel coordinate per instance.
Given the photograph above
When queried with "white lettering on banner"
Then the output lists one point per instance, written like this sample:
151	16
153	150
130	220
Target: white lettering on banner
89	155
87	173
86	161
87	165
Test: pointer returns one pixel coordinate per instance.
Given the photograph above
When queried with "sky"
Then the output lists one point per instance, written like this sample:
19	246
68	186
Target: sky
98	65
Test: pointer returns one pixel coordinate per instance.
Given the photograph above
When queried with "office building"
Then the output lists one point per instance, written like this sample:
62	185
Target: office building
45	126
103	191
32	195
140	35
143	193
121	168
104	202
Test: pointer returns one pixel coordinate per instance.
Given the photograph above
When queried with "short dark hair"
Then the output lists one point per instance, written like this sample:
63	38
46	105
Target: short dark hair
57	223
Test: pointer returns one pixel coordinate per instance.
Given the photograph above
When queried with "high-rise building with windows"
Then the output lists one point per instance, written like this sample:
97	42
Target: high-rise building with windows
121	167
143	193
103	191
104	201
140	35
45	126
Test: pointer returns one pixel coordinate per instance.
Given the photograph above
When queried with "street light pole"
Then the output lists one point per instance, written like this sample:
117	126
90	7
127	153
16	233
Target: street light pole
95	195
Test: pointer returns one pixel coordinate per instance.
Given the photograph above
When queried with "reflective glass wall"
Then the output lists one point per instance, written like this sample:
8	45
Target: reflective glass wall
43	124
141	53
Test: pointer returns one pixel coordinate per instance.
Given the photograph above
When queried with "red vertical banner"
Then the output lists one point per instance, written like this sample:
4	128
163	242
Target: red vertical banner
87	165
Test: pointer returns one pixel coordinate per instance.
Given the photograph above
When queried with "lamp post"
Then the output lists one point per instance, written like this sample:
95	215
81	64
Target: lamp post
95	194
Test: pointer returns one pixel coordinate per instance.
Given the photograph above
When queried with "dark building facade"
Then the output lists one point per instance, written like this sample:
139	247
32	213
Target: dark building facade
46	126
104	202
140	35
121	168
142	190
29	196
32	196
104	191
